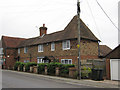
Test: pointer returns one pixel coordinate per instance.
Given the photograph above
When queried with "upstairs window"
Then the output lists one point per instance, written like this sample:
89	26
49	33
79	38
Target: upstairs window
18	50
66	44
53	46
25	49
40	48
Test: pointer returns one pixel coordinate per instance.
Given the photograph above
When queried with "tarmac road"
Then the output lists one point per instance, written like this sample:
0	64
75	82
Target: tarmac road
12	79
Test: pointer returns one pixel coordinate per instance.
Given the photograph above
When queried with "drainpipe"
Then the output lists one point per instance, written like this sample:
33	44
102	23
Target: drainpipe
98	49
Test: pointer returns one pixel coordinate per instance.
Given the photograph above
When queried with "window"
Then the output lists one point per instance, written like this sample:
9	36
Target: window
66	61
66	44
40	60
40	48
1	50
18	50
25	49
53	46
26	61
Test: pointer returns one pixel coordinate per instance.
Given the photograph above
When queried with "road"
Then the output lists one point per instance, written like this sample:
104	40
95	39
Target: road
12	79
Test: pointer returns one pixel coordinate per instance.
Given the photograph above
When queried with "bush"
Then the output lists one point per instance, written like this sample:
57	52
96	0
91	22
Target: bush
51	68
86	73
41	68
27	66
64	69
16	65
21	66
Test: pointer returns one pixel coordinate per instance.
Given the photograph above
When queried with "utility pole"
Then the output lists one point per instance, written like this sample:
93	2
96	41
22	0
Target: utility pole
79	58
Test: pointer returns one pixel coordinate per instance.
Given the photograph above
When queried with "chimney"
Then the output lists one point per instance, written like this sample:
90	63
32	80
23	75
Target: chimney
43	30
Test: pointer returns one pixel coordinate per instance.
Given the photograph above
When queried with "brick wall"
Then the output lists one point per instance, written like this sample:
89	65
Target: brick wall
10	61
108	69
89	50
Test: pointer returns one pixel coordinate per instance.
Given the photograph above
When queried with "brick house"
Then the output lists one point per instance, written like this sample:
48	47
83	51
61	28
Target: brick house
113	64
1	53
61	45
104	50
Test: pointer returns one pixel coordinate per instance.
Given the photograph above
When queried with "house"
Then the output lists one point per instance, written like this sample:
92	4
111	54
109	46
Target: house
113	58
1	54
104	50
61	46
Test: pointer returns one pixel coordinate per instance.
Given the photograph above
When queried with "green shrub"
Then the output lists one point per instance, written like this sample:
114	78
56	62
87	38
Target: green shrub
64	69
16	65
86	72
27	66
21	66
51	68
41	68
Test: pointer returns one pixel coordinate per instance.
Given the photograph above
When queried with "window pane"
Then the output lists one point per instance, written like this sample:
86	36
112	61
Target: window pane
68	44
66	61
62	61
70	62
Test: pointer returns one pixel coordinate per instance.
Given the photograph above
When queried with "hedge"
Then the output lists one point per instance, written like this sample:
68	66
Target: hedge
64	69
27	66
16	65
41	68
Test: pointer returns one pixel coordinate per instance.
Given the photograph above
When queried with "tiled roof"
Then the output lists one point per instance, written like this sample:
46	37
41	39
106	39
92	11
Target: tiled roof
11	42
114	54
70	32
104	50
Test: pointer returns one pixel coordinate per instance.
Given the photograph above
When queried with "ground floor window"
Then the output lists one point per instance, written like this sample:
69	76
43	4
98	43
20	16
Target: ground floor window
66	61
26	61
40	60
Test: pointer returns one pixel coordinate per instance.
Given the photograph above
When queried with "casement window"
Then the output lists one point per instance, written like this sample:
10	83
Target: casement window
18	50
25	49
26	61
40	60
66	44
40	48
1	51
52	46
66	61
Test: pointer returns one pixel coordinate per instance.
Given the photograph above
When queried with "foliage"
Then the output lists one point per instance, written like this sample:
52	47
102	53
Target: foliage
16	65
41	68
51	68
86	72
27	66
21	66
64	69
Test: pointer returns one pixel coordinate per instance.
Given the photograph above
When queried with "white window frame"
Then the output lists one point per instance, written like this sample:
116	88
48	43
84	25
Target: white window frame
1	51
63	61
18	50
52	46
25	49
40	48
65	44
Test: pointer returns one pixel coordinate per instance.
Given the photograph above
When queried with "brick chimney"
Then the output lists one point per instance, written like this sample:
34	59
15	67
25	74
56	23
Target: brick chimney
43	30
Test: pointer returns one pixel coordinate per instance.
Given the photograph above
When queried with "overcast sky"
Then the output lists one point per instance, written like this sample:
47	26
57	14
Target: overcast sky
22	18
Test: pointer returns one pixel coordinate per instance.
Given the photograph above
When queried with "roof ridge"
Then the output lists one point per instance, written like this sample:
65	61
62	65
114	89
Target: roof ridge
13	37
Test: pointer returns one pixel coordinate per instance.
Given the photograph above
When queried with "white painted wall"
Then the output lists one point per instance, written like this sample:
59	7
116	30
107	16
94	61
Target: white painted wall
119	22
115	69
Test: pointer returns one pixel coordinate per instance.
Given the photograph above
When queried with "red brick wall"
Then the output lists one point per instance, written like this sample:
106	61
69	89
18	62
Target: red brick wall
108	69
89	50
10	61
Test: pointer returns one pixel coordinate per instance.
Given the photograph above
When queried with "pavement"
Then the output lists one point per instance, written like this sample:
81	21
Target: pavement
87	82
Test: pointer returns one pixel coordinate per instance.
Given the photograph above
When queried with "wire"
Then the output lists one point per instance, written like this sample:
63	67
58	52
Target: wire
108	16
94	20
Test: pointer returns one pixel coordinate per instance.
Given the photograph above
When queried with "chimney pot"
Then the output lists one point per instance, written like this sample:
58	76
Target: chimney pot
43	25
43	30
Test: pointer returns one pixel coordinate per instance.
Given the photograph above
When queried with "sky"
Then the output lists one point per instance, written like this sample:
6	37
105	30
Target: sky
22	18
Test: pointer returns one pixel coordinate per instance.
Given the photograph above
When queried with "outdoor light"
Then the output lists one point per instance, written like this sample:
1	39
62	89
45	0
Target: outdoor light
8	56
